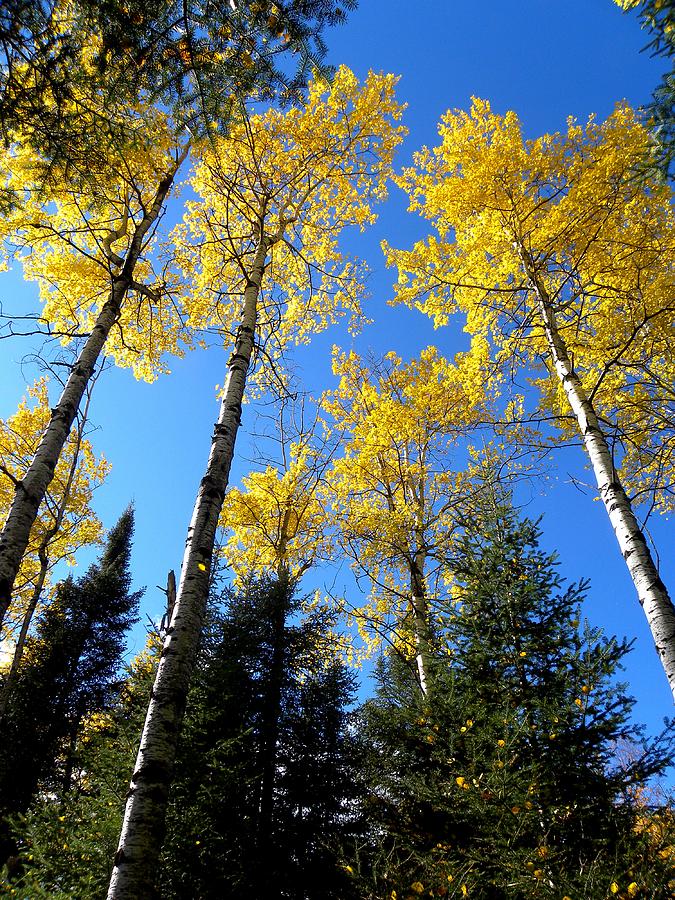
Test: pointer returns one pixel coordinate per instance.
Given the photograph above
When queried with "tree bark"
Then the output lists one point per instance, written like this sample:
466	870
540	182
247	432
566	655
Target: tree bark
30	492
420	608
135	866
652	593
44	566
8	686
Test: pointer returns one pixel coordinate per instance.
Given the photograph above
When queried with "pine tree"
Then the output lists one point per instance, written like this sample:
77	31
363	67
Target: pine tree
265	773
70	72
502	782
68	673
657	17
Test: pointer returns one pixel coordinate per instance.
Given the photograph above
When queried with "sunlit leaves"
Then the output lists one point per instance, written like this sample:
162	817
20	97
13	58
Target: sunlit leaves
277	522
73	240
297	179
400	479
56	535
599	238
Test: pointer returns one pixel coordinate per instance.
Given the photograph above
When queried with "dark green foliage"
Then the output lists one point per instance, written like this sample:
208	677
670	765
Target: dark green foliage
67	840
69	671
517	776
177	46
264	779
657	17
200	58
503	778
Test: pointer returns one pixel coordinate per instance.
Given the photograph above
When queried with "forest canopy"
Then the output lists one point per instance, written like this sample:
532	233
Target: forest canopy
400	655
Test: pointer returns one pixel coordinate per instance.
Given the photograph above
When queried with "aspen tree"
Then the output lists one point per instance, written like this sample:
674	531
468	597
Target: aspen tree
562	260
395	491
66	521
90	257
260	253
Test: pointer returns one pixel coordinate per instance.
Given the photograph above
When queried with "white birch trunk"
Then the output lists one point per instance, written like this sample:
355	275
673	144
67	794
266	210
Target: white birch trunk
652	593
420	607
421	657
44	565
30	492
134	872
10	679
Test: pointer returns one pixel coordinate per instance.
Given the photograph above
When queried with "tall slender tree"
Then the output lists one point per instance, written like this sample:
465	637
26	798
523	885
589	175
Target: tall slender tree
265	776
396	489
561	259
96	250
261	252
66	523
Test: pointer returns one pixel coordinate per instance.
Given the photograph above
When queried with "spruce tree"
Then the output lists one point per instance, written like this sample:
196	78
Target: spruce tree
265	770
69	672
67	839
503	781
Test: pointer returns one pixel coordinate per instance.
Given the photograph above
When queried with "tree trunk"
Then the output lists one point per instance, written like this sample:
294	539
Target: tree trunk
420	608
8	685
44	566
652	594
134	872
30	492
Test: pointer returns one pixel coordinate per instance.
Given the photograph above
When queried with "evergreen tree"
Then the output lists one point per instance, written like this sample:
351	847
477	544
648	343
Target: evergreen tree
69	672
657	17
71	71
502	782
265	776
67	839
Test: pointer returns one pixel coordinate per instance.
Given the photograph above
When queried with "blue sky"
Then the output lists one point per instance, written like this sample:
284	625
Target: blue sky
547	60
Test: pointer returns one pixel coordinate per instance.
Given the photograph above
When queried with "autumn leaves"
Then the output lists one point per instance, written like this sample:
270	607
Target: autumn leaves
554	252
558	253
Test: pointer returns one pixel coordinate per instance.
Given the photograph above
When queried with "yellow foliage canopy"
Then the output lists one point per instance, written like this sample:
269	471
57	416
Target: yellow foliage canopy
277	521
395	488
72	241
296	179
570	209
